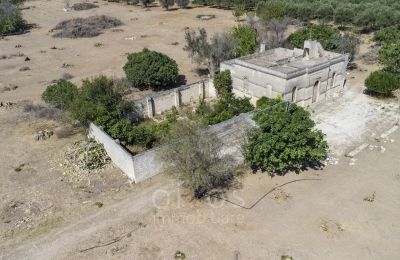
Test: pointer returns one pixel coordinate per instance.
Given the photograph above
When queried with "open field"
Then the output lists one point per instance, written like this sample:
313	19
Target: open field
154	29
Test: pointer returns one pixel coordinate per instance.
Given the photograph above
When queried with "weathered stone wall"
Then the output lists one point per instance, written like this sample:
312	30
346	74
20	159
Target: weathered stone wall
147	164
160	102
119	156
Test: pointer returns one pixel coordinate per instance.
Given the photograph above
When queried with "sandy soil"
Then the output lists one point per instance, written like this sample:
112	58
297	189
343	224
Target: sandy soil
44	217
343	212
154	29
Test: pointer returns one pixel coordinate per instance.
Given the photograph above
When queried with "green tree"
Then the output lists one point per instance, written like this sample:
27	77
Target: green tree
387	35
389	57
246	39
61	94
221	47
343	15
151	69
10	17
284	139
99	100
382	83
347	43
322	33
194	157
271	10
223	82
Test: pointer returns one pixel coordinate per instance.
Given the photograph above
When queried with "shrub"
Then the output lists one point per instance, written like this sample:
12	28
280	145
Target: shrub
347	43
284	140
262	101
223	82
382	83
150	69
225	108
238	11
322	33
271	10
42	111
10	18
194	158
85	27
83	6
166	3
61	94
99	99
389	57
387	35
246	39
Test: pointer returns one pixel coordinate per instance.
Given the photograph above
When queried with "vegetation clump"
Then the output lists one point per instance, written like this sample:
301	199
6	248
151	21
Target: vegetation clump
61	94
382	83
194	157
151	69
83	6
11	20
284	139
85	27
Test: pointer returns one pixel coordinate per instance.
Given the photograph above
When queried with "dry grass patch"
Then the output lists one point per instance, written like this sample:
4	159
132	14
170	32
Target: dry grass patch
91	26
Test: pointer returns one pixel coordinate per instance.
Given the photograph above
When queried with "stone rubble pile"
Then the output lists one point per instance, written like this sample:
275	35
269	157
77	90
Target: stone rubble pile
84	158
43	135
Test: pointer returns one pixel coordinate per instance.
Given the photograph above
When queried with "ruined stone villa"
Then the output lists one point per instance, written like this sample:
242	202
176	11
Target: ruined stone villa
303	76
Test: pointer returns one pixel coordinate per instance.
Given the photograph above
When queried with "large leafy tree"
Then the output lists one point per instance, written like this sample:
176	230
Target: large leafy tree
246	38
284	140
325	34
151	69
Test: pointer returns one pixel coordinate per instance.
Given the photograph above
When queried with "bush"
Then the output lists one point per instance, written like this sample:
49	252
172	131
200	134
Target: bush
99	100
61	94
223	82
150	69
225	108
284	140
246	39
42	111
10	18
382	83
387	35
85	27
389	57
83	6
262	101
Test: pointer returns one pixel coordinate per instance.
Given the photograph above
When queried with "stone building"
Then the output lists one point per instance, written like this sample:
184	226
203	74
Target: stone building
303	76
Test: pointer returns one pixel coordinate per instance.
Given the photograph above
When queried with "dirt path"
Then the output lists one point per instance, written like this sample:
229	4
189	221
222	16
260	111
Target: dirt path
59	243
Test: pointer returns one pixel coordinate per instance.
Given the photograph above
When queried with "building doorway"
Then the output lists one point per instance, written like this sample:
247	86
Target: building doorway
333	80
315	92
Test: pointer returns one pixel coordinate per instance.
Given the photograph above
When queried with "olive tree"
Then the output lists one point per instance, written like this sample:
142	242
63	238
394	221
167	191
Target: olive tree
211	53
193	156
166	3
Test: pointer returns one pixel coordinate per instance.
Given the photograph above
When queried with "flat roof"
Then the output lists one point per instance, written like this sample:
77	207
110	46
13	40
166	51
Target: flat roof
287	61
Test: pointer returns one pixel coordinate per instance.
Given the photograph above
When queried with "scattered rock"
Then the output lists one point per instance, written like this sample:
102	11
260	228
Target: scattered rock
27	59
18	46
43	135
26	68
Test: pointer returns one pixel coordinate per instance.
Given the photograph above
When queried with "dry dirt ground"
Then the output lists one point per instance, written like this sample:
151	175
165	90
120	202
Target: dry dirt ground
323	216
154	29
342	212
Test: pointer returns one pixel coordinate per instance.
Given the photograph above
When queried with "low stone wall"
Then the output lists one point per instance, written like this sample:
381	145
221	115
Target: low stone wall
147	164
119	156
160	102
